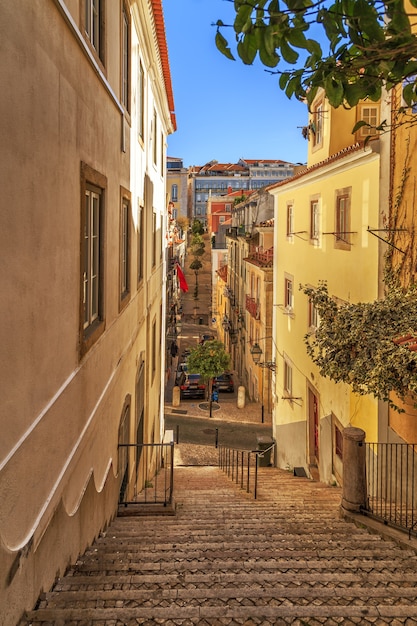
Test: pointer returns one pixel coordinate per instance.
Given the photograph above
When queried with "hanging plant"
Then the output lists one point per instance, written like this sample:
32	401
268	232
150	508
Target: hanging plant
359	343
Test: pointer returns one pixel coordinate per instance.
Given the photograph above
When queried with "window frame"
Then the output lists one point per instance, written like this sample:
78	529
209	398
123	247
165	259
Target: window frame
372	118
290	219
91	182
140	238
314	220
140	100
125	248
154	238
287	382
343	222
289	293
313	315
174	192
94	27
154	137
318	122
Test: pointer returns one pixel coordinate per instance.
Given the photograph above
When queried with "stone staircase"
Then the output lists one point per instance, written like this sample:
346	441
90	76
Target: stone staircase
226	559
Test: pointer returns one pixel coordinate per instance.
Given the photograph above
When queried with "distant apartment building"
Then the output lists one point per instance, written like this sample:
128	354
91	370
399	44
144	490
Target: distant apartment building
177	187
215	178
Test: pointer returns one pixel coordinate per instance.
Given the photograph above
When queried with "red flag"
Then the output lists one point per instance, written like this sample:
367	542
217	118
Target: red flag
181	279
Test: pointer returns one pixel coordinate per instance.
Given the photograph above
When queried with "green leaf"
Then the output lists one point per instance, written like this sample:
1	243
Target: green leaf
359	125
288	54
223	46
334	91
283	80
267	58
247	48
243	16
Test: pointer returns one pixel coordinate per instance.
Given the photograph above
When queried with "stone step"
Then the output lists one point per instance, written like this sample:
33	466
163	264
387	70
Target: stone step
129	598
227	559
191	552
220	580
243	610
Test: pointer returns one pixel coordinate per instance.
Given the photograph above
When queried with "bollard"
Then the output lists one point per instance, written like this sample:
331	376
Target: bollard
217	438
354	474
176	396
241	397
178	433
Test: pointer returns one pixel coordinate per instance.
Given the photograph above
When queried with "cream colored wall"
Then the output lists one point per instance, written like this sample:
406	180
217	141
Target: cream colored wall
60	412
337	132
350	275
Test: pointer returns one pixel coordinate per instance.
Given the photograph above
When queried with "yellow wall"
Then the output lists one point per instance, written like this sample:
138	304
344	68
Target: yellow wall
351	275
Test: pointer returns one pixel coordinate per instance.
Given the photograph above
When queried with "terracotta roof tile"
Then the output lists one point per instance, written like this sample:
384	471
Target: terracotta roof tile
163	51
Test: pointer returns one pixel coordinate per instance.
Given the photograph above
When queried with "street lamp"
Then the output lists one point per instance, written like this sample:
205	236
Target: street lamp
256	352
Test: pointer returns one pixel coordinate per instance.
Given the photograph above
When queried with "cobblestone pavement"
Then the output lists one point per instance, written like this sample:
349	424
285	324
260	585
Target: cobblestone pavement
227	559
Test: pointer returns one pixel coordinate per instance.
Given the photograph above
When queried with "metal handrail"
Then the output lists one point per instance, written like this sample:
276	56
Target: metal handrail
391	482
242	466
155	470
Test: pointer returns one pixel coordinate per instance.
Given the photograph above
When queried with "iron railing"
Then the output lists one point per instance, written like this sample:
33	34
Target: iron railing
242	465
391	481
155	474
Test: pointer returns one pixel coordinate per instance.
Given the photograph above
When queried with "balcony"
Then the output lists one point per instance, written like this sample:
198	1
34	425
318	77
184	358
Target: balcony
253	307
261	257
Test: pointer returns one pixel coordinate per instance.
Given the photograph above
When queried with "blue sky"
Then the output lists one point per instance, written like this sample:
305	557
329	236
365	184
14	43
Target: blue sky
225	110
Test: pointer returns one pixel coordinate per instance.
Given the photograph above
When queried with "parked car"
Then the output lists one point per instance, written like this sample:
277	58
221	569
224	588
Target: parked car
224	382
191	386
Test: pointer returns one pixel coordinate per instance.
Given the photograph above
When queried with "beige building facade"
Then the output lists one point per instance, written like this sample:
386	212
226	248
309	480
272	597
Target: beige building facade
86	109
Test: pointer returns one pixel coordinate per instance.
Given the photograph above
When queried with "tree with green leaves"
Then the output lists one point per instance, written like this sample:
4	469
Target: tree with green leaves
209	360
366	344
197	227
350	48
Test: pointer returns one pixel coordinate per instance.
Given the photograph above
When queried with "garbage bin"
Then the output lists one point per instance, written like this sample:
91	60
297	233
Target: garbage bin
265	443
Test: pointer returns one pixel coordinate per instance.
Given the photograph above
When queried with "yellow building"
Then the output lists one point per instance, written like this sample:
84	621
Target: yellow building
86	109
323	221
402	225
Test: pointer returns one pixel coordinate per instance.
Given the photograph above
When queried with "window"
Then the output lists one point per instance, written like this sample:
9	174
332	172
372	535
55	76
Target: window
154	135
174	193
342	220
317	124
290	219
91	259
94	25
289	294
140	240
369	114
228	207
162	153
313	315
287	378
92	262
125	79
314	219
153	348
153	238
141	101
125	247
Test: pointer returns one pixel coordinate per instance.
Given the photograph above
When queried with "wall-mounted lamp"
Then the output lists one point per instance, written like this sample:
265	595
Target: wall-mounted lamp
256	352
